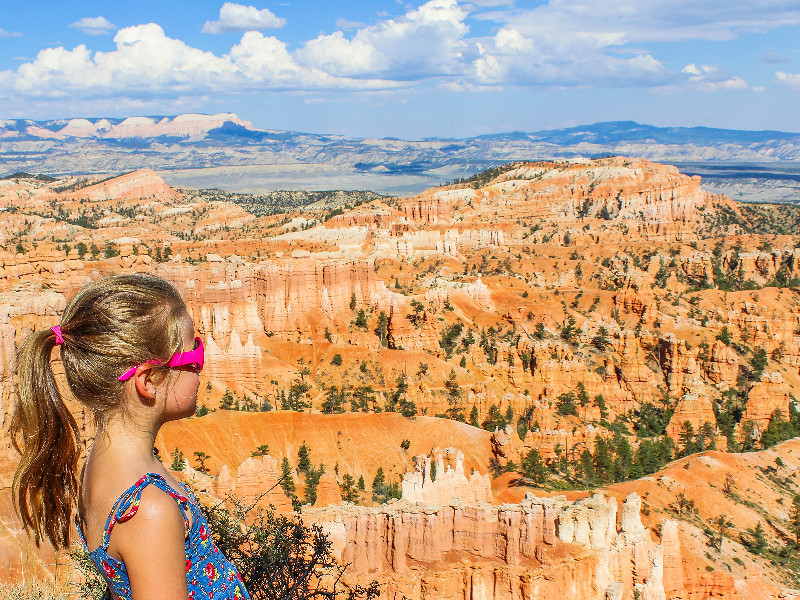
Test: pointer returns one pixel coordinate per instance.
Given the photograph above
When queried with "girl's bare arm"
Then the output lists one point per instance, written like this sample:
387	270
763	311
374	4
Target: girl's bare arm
152	546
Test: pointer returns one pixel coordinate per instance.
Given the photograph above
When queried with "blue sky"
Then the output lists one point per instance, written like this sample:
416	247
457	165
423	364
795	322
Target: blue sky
410	70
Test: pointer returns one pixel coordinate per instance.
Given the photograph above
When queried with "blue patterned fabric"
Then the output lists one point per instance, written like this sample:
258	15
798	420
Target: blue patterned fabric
209	575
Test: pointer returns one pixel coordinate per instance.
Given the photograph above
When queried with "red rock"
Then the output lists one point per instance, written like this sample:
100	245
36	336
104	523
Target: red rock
142	183
328	491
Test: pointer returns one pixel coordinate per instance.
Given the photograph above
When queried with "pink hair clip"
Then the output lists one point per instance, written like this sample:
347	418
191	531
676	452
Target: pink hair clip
59	338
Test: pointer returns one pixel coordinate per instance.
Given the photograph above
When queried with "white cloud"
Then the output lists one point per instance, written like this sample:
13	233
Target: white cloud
427	41
94	25
655	20
347	24
510	58
710	78
238	17
148	64
4	33
790	79
559	44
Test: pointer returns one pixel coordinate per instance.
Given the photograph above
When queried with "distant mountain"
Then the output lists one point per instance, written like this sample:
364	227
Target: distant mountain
194	141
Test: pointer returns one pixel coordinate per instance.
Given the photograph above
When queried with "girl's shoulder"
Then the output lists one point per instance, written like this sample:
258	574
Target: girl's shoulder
150	499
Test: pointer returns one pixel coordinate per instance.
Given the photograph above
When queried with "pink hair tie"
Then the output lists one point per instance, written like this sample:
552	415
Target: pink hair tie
59	337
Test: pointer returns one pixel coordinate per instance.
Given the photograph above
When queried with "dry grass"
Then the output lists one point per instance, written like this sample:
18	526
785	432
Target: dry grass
34	590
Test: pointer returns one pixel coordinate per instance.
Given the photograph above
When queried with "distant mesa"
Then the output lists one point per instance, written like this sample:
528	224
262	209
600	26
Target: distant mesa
181	126
142	183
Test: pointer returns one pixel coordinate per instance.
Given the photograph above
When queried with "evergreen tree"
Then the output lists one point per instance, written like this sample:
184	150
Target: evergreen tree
603	461
380	491
287	481
586	466
312	481
201	458
722	524
623	458
759	362
686	439
581	395
228	401
600	402
473	417
348	488
407	408
533	467
601	340
565	404
261	450
361	320
454	410
706	438
334	400
494	420
304	458
382	328
178	463
755	540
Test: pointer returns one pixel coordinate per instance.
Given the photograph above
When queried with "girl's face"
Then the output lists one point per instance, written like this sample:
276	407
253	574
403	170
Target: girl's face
182	385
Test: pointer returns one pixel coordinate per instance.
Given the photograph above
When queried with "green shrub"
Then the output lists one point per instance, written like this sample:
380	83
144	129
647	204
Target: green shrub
281	558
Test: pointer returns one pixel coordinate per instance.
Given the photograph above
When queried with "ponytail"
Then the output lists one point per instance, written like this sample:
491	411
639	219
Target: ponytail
109	325
44	432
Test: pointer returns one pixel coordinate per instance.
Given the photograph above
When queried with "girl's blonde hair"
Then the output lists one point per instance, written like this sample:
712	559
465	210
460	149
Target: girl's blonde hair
110	325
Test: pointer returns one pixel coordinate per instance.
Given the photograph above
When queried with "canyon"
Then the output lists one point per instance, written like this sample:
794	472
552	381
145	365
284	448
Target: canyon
554	306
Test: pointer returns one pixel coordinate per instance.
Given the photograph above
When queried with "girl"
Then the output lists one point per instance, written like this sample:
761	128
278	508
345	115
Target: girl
129	353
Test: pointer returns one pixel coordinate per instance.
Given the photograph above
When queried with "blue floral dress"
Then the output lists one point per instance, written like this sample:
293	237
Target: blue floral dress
209	575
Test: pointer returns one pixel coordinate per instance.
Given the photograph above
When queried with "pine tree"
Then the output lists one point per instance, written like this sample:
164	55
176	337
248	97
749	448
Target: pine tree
382	328
533	467
304	458
582	395
287	481
494	420
348	488
312	481
473	417
379	491
261	450
586	465
201	458
686	439
228	401
603	461
178	463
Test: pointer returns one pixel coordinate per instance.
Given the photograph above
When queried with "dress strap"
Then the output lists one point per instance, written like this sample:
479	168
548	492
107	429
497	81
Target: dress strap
80	532
127	505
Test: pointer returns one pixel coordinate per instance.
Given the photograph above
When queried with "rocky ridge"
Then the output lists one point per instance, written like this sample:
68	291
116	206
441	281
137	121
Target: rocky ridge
543	285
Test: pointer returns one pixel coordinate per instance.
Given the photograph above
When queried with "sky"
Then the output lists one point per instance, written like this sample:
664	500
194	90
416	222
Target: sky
388	68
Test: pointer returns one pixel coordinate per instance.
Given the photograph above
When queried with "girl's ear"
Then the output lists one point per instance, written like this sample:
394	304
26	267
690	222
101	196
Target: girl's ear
144	383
